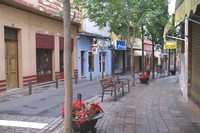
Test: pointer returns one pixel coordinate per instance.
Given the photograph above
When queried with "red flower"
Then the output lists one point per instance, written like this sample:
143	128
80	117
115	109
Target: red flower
143	75
96	107
83	112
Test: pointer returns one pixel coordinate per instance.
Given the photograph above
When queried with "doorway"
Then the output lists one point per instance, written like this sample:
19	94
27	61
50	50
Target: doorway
82	63
102	62
44	65
11	58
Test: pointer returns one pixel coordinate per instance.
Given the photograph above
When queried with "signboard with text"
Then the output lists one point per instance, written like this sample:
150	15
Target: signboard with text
120	45
170	45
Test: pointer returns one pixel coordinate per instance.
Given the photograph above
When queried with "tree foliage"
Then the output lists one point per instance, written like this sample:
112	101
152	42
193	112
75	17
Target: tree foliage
125	17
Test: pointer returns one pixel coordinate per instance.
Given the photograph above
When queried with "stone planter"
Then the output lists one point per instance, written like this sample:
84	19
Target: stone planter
144	80
87	125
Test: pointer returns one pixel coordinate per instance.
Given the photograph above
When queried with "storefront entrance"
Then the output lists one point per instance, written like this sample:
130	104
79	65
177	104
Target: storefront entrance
44	65
11	59
45	46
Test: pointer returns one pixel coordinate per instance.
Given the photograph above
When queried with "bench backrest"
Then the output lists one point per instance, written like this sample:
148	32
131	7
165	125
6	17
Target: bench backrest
115	78
105	83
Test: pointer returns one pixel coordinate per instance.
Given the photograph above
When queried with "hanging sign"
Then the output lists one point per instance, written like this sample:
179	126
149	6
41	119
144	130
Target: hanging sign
120	45
170	45
94	48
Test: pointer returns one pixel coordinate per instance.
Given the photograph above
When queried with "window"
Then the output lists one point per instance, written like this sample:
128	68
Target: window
91	61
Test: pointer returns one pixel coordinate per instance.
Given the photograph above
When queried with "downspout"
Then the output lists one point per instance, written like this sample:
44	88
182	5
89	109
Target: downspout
185	89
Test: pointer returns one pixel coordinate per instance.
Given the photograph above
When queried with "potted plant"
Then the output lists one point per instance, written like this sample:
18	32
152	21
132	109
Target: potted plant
143	77
85	116
173	72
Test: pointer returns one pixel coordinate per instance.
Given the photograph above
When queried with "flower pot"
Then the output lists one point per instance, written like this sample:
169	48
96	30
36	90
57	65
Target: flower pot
173	72
144	80
87	125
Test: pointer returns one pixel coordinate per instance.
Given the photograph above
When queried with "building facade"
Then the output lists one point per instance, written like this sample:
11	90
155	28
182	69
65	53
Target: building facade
93	52
31	43
187	23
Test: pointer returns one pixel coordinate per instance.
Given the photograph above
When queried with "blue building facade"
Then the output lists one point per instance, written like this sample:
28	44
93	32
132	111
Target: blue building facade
94	57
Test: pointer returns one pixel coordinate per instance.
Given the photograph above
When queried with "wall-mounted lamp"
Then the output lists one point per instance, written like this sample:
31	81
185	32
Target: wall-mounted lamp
94	41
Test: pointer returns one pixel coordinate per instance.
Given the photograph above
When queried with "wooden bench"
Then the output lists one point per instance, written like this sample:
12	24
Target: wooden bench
111	86
124	81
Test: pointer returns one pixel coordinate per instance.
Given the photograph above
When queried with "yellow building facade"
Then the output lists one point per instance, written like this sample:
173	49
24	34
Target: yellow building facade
31	47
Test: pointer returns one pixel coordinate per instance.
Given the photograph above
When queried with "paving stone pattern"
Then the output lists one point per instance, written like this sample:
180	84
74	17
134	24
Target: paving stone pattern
156	107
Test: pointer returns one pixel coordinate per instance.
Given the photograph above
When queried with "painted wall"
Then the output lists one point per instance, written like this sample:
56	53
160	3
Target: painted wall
28	25
91	27
84	44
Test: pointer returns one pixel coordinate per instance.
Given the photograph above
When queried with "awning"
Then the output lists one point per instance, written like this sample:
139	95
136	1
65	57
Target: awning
167	27
139	53
184	10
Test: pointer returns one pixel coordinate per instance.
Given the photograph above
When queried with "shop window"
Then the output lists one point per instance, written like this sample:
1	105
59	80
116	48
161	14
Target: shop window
91	61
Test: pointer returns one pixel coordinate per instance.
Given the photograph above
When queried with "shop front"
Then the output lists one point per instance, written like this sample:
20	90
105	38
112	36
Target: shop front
94	56
118	57
44	49
188	25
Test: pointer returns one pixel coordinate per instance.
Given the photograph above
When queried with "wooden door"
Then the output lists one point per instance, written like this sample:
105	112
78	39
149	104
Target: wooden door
11	64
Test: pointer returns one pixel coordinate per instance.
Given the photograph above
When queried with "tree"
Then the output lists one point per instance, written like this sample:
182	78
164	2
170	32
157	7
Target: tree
67	67
124	17
155	22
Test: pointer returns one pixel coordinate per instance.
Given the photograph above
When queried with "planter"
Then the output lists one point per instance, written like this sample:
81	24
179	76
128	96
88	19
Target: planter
173	72
87	125
144	80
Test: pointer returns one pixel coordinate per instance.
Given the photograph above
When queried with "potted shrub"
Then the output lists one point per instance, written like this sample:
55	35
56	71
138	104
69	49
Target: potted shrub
85	116
143	77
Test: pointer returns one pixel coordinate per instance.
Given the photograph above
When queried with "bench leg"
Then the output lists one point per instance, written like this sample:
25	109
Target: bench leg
122	90
102	96
128	87
115	95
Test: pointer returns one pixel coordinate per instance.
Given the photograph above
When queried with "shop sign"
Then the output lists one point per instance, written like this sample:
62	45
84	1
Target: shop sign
94	48
102	45
44	41
120	45
170	45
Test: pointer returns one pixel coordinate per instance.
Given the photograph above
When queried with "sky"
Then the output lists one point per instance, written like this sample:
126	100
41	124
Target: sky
171	7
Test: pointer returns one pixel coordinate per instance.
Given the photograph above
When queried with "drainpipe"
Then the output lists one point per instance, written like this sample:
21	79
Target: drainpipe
185	89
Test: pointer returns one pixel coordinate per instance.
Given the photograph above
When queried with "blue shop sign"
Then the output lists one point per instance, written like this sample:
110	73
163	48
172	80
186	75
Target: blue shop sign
120	45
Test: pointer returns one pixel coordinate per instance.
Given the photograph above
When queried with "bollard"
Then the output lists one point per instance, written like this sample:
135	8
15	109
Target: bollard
79	96
90	76
30	87
56	83
75	79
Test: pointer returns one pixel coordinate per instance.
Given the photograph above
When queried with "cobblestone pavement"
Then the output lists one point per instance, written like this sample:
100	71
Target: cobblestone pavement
156	107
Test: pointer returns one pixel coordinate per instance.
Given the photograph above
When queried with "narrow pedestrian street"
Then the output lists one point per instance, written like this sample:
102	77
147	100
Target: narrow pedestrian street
157	107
